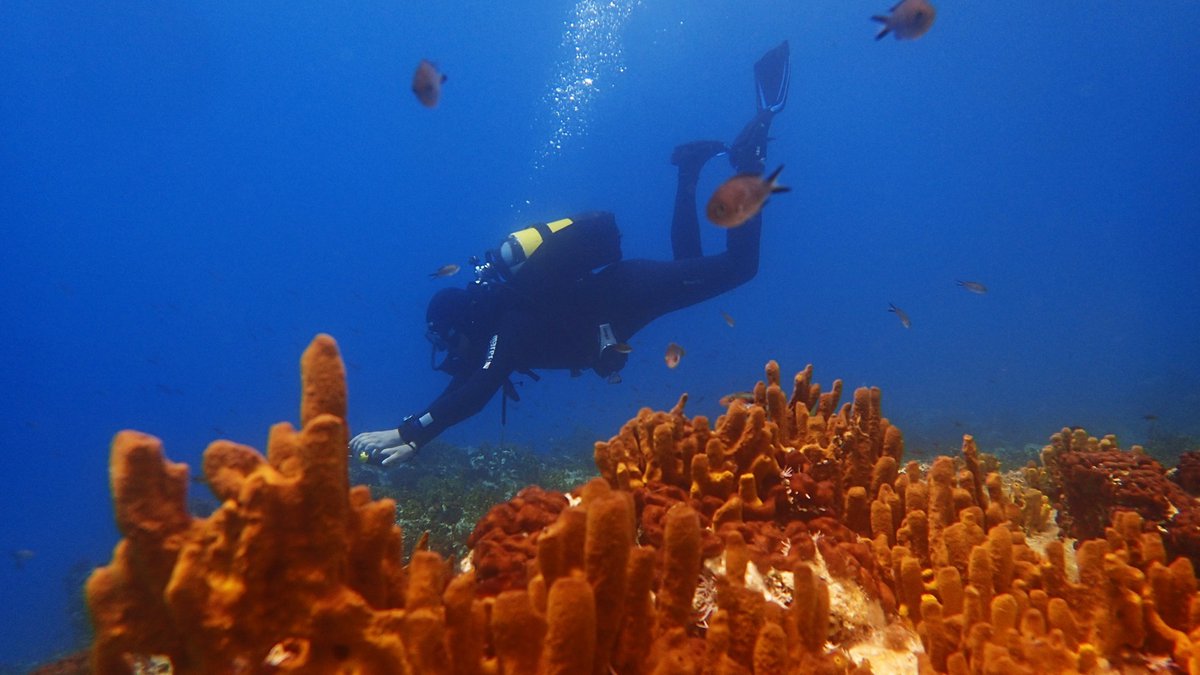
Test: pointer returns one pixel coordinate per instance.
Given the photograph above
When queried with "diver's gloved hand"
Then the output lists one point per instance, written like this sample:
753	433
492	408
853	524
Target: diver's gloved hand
381	447
397	455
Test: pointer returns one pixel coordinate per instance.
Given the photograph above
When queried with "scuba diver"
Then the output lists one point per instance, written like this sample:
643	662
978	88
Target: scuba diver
557	295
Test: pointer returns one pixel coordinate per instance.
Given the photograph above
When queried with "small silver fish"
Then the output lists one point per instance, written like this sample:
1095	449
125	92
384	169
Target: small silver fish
973	286
900	314
907	20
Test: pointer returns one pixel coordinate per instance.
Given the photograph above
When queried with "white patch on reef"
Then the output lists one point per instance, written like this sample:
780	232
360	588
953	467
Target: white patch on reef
851	610
885	659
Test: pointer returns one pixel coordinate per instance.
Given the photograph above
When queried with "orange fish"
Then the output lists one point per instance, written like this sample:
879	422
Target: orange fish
445	271
973	286
740	197
908	20
674	353
900	315
744	396
427	83
728	319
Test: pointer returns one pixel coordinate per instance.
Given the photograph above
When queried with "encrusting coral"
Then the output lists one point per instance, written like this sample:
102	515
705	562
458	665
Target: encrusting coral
788	538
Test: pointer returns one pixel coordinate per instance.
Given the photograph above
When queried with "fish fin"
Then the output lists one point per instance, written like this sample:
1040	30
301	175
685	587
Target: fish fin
891	307
776	189
882	33
880	18
774	174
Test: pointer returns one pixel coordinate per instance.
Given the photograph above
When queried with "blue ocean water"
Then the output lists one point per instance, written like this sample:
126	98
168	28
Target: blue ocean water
190	191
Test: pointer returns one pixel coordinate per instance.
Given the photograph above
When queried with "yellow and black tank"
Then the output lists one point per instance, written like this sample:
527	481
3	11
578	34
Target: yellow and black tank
559	251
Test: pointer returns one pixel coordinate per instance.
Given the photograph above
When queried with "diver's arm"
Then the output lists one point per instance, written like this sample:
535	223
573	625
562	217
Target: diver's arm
395	446
463	397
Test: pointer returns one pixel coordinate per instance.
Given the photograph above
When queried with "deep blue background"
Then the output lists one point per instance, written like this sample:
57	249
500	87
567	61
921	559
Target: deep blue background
190	191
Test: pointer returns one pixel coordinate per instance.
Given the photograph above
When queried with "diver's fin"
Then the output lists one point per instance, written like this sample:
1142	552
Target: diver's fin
772	74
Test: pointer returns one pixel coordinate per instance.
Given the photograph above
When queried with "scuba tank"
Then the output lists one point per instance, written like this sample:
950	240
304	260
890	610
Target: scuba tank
546	255
538	262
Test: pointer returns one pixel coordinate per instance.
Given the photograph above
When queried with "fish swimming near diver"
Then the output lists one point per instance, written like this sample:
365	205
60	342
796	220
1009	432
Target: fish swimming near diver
973	286
673	355
445	271
427	83
740	197
907	20
900	315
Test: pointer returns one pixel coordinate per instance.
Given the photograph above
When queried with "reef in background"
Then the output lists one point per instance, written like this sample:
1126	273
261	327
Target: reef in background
479	477
788	537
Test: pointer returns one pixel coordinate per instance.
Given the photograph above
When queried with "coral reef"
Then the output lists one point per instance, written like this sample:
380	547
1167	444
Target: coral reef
495	474
789	537
294	567
1091	480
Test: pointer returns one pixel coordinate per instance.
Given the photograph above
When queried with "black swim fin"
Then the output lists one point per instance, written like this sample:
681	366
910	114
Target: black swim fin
772	75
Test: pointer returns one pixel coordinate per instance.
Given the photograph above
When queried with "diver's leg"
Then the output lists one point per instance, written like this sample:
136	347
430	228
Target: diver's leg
635	292
632	293
685	223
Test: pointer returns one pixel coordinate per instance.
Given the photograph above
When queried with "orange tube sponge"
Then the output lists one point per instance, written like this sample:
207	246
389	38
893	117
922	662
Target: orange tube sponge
570	642
810	609
271	567
770	651
606	553
681	544
465	624
633	646
125	597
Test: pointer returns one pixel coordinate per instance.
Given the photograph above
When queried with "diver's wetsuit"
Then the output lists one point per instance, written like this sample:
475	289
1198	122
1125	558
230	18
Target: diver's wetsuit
559	326
559	329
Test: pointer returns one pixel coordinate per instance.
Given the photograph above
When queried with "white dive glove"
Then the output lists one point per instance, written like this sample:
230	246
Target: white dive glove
382	447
